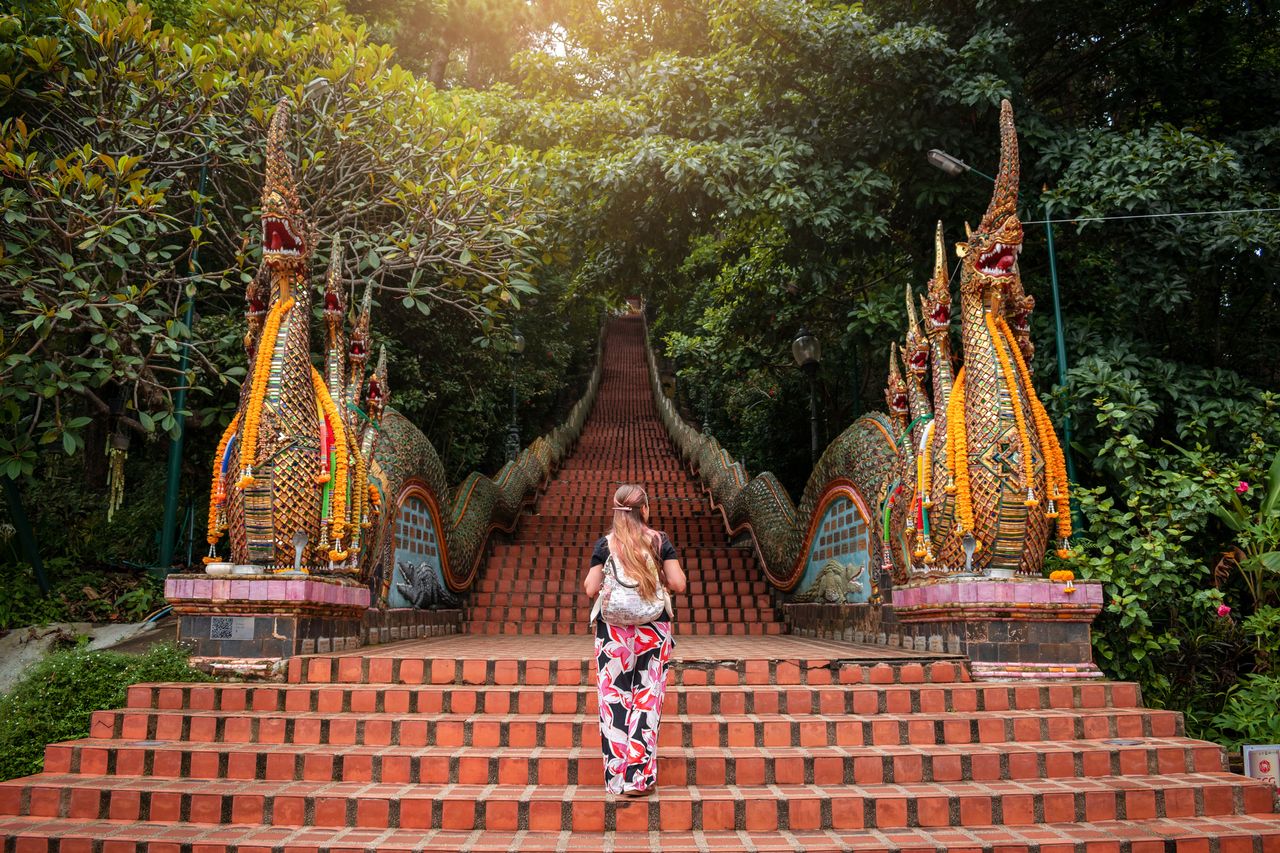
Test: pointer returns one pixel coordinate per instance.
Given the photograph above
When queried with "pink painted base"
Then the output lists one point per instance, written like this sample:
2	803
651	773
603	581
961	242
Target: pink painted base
963	593
204	594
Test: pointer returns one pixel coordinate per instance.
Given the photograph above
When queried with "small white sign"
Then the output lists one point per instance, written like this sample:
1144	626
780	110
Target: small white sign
1262	761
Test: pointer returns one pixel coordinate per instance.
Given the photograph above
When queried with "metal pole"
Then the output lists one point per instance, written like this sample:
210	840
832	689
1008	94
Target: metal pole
25	537
1062	362
169	531
813	417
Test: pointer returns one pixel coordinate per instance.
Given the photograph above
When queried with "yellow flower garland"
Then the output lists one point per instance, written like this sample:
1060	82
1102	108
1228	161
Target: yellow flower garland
958	459
1019	417
217	490
1055	463
926	490
258	390
338	497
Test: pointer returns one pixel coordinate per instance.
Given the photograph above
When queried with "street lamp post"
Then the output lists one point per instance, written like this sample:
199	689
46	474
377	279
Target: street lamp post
955	167
807	352
513	431
169	525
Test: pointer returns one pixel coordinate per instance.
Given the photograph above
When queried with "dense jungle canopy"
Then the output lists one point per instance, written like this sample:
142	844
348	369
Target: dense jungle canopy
748	166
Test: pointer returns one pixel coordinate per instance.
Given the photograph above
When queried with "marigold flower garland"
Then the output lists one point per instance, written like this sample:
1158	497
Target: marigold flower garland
338	505
1055	463
958	460
1019	417
217	488
926	495
258	390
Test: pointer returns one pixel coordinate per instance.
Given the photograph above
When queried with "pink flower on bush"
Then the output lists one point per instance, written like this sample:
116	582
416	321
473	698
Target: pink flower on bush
1223	611
1242	488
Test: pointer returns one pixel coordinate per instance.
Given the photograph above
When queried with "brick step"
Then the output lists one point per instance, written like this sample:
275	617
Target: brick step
1223	834
421	806
859	699
535	567
374	669
579	627
699	730
572	584
730	618
815	765
575	600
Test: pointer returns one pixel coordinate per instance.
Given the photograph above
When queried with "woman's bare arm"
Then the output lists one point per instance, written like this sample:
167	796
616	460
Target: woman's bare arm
674	574
594	580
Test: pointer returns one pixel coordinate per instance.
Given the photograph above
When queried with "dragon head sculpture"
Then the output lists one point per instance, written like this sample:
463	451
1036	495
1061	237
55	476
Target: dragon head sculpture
358	352
916	352
335	308
286	238
376	391
990	253
936	303
895	392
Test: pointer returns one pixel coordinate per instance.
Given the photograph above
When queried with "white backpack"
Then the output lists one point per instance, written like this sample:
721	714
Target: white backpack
620	603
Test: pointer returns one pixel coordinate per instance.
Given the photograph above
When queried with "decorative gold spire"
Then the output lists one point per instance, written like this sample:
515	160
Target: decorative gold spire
1004	199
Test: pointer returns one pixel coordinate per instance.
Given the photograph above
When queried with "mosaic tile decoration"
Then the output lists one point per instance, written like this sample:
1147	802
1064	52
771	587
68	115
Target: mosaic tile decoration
416	542
842	535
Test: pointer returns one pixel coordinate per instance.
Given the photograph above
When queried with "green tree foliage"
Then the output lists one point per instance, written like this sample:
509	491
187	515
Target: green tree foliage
109	117
755	165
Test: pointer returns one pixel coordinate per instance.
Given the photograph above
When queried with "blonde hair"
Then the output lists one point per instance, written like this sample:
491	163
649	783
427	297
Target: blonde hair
633	542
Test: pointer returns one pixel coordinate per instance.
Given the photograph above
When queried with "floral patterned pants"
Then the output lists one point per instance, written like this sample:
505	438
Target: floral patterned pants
632	662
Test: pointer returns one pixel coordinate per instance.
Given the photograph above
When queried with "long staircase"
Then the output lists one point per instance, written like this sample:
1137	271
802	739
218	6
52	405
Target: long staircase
489	741
534	584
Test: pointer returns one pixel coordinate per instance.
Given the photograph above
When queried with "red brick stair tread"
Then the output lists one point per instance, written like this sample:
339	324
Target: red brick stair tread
1232	834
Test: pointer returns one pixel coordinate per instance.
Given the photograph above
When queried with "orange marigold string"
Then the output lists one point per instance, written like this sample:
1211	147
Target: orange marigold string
1055	461
958	460
338	496
1019	416
258	390
360	491
217	488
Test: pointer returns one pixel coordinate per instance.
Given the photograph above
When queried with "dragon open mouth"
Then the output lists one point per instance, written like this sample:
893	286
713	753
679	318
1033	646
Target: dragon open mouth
278	238
999	260
919	360
940	315
900	402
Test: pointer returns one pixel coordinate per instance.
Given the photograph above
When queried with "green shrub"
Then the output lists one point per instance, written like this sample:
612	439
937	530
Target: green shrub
56	697
1250	712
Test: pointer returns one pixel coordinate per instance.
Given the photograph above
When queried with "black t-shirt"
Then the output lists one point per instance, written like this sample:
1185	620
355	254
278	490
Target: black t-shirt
666	551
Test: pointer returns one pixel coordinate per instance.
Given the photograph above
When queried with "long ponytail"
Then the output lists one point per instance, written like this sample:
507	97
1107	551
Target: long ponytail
633	542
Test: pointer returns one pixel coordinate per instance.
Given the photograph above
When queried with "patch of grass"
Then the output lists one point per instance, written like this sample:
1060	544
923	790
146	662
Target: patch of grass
56	697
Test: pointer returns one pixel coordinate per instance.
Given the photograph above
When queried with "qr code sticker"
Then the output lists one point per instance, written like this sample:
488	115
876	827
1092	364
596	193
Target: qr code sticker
230	628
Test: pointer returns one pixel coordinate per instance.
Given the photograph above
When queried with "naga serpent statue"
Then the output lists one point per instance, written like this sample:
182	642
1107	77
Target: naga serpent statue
964	474
315	469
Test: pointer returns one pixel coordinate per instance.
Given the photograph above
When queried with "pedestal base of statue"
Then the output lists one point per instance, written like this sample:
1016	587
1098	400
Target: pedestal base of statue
261	618
1024	628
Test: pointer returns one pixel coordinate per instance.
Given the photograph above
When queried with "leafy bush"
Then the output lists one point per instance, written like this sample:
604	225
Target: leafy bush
1250	712
55	699
77	594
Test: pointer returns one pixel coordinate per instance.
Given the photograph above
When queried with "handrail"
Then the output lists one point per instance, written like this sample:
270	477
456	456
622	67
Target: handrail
480	504
859	462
